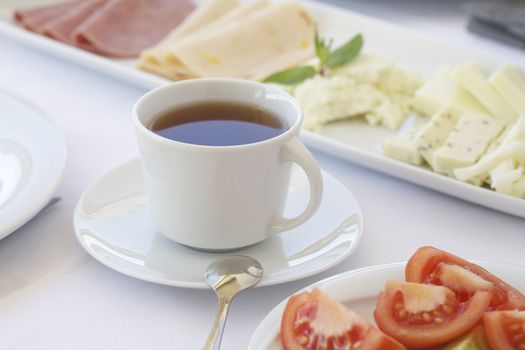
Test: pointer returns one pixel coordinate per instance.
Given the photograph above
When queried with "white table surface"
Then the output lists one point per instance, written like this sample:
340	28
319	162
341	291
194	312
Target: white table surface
54	296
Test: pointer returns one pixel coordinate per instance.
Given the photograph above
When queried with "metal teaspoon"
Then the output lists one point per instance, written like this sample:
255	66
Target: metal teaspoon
228	276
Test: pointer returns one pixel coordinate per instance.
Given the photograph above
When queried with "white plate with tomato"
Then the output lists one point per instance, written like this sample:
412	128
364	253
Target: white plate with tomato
373	306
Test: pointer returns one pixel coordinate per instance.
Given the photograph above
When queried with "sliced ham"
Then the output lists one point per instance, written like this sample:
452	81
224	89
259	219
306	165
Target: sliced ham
123	28
35	19
205	14
62	26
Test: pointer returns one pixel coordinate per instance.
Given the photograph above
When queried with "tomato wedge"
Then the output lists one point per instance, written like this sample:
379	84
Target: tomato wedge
313	320
431	265
424	315
505	330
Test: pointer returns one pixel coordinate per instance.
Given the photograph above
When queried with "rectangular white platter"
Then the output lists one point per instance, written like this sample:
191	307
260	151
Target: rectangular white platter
353	140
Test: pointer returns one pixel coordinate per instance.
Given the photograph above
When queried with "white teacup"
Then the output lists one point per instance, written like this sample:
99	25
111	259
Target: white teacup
222	197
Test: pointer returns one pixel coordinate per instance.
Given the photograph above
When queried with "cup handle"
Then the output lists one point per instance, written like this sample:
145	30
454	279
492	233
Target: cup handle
295	151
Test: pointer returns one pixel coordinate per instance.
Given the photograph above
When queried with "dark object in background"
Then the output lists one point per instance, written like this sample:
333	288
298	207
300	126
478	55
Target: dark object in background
502	20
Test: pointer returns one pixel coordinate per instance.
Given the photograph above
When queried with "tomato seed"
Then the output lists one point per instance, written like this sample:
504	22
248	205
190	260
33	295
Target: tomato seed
398	306
439	320
426	317
303	340
403	314
448	309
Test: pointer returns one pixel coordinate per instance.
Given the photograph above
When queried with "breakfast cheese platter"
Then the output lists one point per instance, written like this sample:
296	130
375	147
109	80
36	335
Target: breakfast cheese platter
422	110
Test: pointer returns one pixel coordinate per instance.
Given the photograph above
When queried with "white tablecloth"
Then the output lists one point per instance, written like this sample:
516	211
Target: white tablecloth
54	296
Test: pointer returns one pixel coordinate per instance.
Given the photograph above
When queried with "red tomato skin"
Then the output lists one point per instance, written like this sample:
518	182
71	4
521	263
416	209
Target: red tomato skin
376	340
424	337
373	340
286	334
495	331
426	259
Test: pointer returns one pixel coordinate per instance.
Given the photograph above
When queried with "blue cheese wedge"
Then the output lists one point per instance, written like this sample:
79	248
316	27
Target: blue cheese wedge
510	84
403	148
471	78
441	90
466	143
435	132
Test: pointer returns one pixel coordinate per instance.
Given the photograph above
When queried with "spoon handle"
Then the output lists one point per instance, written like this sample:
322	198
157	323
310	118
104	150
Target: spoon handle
215	337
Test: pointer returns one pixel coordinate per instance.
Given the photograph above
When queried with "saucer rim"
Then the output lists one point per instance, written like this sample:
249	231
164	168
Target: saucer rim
36	205
265	281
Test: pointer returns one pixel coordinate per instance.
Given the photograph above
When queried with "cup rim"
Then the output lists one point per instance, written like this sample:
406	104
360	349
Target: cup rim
290	132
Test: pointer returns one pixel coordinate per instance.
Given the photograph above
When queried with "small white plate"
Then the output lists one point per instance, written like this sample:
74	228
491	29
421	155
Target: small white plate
32	159
112	223
358	289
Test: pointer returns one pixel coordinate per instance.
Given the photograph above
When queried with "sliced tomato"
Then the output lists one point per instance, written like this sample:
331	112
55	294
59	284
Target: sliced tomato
505	330
431	265
313	320
424	315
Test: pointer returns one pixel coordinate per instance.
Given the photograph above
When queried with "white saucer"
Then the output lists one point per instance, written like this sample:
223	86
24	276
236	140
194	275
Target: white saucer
112	223
32	159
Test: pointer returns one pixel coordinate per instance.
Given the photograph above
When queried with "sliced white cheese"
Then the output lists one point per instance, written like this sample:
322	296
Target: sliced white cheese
504	175
499	147
516	131
440	91
518	188
466	143
435	132
496	143
514	150
403	148
471	77
510	84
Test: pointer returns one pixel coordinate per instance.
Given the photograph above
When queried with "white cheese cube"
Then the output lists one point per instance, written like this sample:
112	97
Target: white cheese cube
435	132
466	143
510	84
471	77
503	176
440	91
403	148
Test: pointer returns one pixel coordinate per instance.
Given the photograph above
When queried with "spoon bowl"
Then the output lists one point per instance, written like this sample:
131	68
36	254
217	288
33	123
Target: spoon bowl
227	276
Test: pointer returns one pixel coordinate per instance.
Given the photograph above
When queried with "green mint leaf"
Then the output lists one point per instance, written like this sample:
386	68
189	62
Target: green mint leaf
322	49
345	53
291	76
